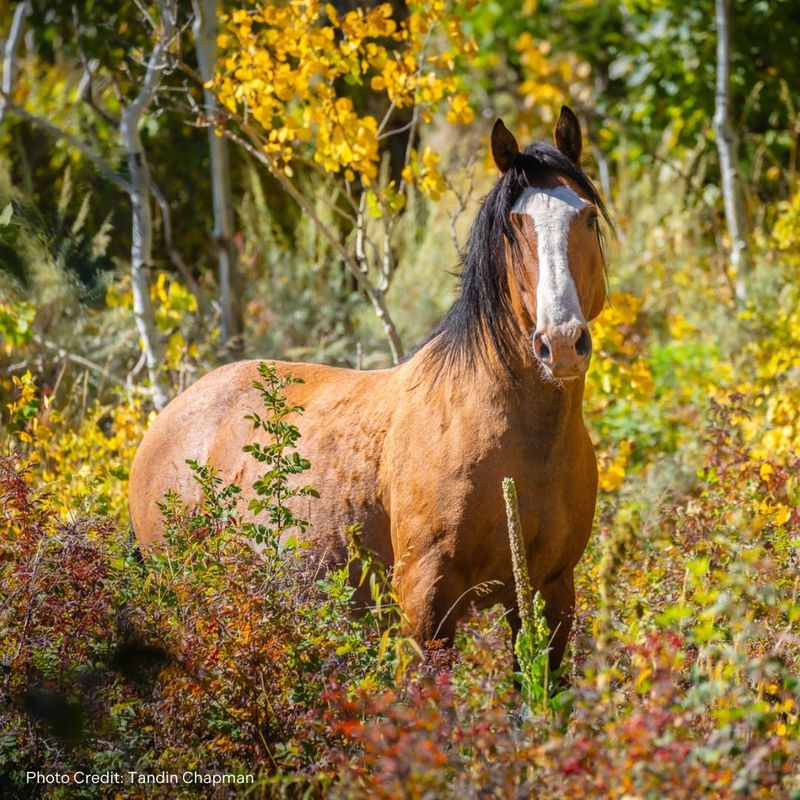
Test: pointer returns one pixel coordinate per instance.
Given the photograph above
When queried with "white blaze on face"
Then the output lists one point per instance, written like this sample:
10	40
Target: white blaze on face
552	212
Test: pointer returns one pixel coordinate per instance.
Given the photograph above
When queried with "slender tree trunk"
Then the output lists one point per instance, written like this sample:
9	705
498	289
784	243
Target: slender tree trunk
205	35
378	300
728	146
142	253
141	211
10	53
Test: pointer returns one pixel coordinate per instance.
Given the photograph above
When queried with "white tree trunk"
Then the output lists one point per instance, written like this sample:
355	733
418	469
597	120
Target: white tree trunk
137	188
728	146
142	220
10	53
205	35
142	254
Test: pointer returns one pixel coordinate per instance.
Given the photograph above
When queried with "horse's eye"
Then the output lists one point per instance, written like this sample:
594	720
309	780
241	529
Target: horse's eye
591	220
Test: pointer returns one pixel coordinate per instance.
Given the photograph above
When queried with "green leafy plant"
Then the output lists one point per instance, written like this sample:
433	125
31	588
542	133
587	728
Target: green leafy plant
16	320
279	455
532	645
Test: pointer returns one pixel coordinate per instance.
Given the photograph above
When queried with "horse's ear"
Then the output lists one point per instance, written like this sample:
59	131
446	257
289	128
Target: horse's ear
504	147
567	135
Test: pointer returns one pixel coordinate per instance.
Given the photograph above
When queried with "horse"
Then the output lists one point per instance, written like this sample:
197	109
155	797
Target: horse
416	453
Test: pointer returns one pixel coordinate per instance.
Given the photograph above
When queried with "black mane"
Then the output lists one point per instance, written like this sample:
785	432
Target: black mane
483	309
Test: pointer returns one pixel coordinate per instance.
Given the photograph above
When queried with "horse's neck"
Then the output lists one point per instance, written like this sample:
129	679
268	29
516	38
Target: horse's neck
549	412
546	413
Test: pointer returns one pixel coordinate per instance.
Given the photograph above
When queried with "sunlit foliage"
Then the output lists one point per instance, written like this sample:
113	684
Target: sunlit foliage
282	64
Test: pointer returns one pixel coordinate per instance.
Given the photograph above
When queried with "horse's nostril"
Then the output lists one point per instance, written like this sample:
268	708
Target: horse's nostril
544	350
584	344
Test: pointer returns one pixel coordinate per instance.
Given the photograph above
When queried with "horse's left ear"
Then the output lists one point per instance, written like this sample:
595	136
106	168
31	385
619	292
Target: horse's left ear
567	135
504	147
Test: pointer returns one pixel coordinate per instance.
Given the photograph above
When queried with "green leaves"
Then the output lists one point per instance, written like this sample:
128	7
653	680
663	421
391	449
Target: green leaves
278	454
532	645
532	648
6	214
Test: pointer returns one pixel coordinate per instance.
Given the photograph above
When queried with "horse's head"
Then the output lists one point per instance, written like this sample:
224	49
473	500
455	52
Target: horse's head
554	253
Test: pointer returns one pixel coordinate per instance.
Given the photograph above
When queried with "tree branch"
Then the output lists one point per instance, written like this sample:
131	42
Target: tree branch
59	133
87	82
81	361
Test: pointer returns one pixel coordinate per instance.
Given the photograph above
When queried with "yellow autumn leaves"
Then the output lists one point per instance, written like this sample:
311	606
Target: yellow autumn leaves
173	303
619	368
281	67
82	467
759	387
550	77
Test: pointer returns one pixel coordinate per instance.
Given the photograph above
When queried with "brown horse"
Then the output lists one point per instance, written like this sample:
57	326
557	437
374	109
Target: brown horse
416	453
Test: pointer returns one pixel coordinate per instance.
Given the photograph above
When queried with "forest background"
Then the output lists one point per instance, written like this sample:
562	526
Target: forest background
182	184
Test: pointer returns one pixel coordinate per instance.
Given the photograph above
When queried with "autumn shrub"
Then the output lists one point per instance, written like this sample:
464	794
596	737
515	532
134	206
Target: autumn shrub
714	645
58	632
254	641
202	654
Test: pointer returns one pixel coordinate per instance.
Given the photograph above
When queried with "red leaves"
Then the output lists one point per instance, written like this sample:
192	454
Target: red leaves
349	728
573	765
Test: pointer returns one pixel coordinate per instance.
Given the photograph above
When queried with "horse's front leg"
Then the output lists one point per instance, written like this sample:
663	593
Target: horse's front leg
432	600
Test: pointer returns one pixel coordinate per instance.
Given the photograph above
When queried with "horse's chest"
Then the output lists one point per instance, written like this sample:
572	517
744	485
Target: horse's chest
556	502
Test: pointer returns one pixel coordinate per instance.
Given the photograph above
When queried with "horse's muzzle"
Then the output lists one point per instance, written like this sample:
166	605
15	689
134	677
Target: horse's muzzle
564	352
